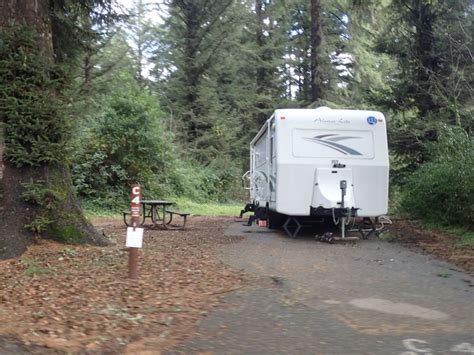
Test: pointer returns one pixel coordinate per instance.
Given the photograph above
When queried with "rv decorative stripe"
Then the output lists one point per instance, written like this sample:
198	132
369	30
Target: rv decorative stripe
329	140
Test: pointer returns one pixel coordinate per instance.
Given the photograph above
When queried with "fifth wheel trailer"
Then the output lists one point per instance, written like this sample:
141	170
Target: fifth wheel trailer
319	163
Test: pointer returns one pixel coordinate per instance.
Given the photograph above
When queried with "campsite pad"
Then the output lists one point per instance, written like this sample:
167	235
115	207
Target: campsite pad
78	299
369	297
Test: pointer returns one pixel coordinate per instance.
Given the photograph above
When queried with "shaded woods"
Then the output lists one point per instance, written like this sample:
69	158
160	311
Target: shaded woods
169	93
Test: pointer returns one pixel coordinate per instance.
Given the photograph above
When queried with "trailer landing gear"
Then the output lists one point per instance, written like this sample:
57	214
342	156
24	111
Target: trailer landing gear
367	227
370	226
292	227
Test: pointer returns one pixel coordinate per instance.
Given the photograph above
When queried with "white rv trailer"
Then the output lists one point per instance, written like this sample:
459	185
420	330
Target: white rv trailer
301	159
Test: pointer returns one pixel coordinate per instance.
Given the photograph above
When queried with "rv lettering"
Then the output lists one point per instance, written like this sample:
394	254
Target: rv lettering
331	121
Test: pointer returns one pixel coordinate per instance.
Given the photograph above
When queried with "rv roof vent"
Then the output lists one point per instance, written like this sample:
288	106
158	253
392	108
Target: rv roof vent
323	108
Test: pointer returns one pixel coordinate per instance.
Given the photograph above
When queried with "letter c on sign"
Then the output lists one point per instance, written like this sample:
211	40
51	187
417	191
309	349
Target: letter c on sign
136	190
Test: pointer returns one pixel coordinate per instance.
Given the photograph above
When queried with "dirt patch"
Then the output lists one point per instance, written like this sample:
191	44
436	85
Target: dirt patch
439	244
78	299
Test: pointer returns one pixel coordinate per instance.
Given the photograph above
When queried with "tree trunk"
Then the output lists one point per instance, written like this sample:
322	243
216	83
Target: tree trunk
192	69
315	44
140	42
88	67
66	221
259	40
264	75
427	67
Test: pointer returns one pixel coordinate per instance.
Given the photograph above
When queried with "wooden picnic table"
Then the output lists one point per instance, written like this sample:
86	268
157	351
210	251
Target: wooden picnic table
156	211
159	214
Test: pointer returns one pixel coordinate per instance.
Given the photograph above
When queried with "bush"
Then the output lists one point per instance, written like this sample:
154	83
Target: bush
442	190
216	182
127	145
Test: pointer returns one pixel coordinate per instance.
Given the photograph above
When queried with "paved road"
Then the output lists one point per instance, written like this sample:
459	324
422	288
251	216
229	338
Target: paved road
370	298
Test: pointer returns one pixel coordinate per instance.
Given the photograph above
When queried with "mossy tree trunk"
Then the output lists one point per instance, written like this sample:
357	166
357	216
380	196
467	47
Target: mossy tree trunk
36	192
316	38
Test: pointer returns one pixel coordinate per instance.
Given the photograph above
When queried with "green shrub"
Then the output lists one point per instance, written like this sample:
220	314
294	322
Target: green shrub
127	145
216	182
442	190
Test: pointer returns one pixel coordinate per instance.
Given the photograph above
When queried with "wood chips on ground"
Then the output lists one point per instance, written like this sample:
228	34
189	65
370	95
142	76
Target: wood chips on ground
439	244
78	298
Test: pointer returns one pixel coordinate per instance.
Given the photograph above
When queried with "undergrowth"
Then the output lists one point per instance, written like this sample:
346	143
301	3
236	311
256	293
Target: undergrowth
441	190
209	208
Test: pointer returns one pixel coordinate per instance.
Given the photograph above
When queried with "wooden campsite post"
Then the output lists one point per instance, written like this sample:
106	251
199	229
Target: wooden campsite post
135	214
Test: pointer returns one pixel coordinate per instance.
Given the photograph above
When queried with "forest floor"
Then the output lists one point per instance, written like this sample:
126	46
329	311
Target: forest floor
437	243
78	298
60	298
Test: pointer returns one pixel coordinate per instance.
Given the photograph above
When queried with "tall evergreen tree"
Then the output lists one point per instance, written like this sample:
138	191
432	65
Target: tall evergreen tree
315	43
36	189
270	26
191	26
194	34
316	38
370	72
432	82
432	44
141	36
299	48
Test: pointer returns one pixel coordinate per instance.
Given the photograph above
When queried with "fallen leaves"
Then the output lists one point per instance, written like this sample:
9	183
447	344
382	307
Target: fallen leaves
78	299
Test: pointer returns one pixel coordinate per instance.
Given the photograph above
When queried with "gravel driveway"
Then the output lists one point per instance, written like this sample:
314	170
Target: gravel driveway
373	297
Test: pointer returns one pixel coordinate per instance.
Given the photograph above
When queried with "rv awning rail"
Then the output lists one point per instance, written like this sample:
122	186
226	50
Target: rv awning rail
262	130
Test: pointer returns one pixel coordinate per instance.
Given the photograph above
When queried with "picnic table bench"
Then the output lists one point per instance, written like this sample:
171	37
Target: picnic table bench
181	214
